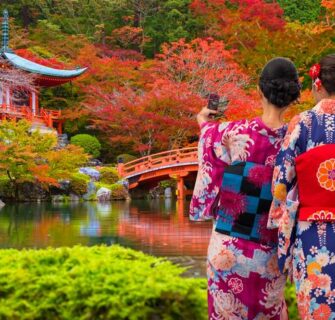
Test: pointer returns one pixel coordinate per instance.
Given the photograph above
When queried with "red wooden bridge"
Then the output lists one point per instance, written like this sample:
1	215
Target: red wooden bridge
177	164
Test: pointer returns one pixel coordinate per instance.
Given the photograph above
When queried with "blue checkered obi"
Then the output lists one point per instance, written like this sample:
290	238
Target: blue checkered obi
244	201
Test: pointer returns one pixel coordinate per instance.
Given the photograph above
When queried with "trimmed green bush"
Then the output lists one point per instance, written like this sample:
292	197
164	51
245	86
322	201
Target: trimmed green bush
125	157
78	184
96	283
90	144
109	175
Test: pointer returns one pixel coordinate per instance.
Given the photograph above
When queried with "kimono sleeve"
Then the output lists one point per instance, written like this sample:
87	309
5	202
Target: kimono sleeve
284	176
212	158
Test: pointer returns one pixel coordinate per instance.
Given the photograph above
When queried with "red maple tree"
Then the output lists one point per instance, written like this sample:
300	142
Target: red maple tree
152	105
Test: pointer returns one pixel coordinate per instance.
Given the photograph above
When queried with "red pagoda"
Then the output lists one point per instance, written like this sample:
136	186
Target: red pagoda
44	77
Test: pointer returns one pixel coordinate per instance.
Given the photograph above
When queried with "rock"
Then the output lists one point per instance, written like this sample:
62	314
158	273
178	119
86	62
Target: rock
124	183
91	172
74	197
104	194
29	191
2	204
64	185
91	191
167	192
94	163
63	140
57	198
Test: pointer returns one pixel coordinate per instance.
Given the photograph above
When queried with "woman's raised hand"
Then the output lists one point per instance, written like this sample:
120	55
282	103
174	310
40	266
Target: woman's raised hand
205	115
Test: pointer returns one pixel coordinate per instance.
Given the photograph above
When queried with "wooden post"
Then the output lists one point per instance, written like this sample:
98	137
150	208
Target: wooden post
1	95
120	169
60	127
50	122
180	188
33	103
180	210
7	98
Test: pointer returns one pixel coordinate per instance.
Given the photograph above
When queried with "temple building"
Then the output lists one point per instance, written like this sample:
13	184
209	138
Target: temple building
28	107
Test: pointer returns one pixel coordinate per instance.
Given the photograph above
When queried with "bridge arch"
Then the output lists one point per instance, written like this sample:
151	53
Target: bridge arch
176	164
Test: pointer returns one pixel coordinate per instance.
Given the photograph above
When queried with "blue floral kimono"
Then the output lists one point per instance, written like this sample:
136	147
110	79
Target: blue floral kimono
306	248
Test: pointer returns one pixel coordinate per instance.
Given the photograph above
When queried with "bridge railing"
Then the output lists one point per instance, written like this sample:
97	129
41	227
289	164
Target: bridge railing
158	160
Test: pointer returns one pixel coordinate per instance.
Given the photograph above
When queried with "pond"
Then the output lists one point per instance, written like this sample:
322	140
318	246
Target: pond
159	227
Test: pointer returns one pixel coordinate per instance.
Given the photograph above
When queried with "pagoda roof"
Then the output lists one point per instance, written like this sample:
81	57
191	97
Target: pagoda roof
33	67
46	76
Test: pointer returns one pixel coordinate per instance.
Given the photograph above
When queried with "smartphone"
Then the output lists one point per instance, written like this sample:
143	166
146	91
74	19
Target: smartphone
218	104
213	101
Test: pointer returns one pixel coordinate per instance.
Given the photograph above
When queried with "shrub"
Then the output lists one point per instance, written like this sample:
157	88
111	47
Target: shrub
291	301
168	184
118	192
81	176
96	283
78	184
6	188
109	175
90	144
125	157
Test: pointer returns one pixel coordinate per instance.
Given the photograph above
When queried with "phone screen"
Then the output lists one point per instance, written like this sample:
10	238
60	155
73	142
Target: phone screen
213	101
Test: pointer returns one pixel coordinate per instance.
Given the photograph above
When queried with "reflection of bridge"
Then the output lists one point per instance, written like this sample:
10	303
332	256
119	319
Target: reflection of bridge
165	232
176	164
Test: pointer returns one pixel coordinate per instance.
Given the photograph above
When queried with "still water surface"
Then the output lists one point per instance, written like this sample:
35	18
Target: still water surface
157	227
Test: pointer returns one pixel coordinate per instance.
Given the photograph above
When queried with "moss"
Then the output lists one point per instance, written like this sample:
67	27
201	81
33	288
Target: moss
109	175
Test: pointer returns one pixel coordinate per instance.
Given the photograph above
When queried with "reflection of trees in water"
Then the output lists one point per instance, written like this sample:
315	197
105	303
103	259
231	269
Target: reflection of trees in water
158	227
58	224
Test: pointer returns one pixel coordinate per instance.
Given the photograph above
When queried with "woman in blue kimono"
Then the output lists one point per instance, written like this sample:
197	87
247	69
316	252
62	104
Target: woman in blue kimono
304	199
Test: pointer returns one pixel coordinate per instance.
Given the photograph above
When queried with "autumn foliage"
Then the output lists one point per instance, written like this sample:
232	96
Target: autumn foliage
152	106
153	63
29	156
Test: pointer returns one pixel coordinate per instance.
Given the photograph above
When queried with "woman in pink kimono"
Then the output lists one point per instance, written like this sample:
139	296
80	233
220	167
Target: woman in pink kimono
233	188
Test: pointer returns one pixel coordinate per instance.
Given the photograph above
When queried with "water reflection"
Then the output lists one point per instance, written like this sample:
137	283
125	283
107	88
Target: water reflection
159	227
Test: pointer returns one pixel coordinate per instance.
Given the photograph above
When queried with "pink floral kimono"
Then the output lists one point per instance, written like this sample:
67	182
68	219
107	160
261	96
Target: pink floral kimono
244	281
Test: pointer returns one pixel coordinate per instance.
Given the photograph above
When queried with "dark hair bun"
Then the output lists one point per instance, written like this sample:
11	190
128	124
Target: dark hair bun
327	73
279	82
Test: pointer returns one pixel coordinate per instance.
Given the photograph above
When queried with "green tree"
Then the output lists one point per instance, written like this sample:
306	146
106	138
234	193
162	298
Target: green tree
29	156
173	21
302	10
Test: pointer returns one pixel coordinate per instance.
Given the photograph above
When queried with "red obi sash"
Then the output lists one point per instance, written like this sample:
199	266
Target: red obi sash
316	184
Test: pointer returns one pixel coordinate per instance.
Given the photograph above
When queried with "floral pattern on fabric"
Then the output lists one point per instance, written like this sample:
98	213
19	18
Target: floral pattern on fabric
237	266
314	270
306	248
221	144
326	175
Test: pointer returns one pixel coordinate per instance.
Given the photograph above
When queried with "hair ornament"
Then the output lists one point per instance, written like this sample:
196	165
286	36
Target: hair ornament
314	73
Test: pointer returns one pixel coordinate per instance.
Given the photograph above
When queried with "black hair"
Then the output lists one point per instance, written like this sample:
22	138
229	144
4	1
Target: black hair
327	73
279	82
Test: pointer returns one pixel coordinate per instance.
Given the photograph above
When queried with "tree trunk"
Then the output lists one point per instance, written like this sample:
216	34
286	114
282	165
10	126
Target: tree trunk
26	18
